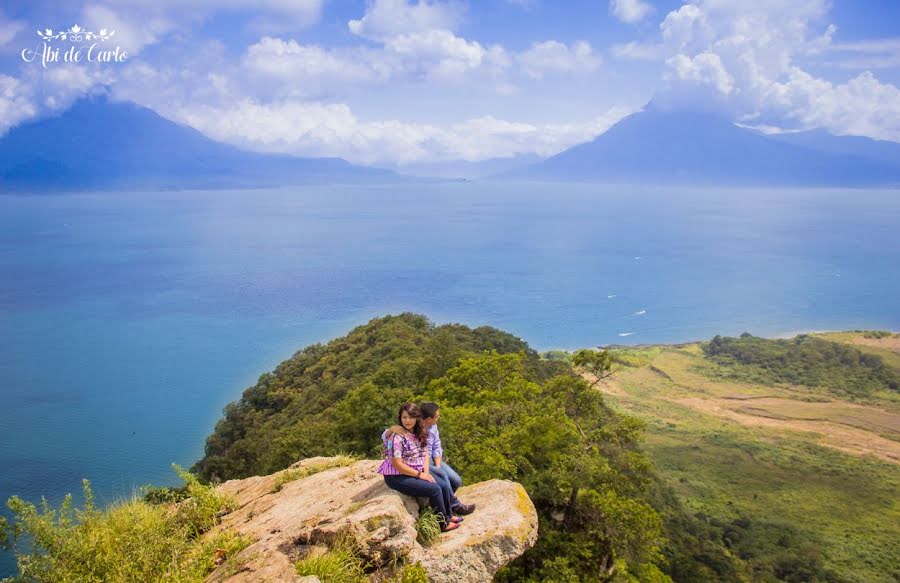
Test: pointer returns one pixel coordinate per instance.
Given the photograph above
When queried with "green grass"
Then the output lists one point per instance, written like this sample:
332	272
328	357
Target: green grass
131	540
410	574
635	356
428	526
341	564
783	501
846	505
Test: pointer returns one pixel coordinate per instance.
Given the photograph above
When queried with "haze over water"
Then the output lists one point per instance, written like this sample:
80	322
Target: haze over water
127	321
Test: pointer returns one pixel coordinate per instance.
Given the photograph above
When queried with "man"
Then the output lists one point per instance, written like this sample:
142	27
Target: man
439	469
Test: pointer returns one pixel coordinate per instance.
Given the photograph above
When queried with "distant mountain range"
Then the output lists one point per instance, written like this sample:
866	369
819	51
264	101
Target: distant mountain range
463	169
101	144
654	146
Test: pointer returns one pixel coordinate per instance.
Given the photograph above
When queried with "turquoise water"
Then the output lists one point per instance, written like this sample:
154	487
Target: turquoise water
127	321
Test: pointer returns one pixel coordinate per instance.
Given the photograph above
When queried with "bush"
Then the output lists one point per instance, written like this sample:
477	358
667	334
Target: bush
131	540
877	334
411	574
804	360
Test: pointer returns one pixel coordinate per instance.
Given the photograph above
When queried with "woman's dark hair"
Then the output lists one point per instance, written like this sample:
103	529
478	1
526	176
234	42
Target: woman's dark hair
413	411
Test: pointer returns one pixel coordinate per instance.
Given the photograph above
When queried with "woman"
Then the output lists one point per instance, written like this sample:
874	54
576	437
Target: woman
406	466
439	469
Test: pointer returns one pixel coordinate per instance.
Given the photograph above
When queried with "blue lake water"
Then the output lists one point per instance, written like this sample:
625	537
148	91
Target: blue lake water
127	321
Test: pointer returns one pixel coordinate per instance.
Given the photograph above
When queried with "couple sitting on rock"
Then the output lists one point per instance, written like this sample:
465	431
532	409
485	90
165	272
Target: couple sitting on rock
413	463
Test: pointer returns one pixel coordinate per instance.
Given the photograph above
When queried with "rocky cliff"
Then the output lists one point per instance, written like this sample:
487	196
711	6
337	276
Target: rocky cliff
307	508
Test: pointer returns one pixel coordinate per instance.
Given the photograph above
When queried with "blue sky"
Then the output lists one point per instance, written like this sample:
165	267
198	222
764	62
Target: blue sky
396	82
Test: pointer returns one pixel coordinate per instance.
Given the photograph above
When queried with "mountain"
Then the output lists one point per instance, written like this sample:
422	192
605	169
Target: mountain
462	169
823	141
101	144
655	146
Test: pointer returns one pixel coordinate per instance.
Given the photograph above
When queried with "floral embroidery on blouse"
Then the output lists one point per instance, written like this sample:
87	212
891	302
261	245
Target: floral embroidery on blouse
406	447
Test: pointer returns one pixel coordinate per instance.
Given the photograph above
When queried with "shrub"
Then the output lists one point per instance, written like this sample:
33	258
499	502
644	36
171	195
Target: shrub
131	540
804	360
411	574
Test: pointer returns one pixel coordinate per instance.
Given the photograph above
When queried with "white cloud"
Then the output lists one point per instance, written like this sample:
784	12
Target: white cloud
638	51
704	69
295	12
319	129
276	57
746	60
280	68
139	23
861	106
867	54
284	95
39	91
132	32
9	29
554	56
630	10
437	53
388	18
15	103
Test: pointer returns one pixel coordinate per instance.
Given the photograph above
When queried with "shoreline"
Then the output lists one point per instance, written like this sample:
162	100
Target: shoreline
780	336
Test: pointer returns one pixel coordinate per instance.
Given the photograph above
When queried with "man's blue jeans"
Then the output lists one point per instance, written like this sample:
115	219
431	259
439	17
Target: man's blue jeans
448	478
438	495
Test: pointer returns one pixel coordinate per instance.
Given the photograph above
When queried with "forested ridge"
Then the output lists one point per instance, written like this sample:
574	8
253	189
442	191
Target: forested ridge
506	413
719	502
803	360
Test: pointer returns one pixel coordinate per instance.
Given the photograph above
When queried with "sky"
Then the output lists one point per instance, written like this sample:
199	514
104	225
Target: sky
398	82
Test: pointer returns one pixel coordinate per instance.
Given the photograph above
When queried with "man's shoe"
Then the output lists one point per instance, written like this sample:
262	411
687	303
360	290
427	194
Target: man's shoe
464	509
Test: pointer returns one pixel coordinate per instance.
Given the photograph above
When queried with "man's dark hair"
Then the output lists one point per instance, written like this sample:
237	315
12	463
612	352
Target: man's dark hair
428	410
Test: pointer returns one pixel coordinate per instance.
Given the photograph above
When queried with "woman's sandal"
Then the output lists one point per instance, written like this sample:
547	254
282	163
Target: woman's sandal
450	526
457	519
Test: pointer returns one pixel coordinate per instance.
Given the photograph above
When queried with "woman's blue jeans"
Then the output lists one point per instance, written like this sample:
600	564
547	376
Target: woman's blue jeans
438	495
448	478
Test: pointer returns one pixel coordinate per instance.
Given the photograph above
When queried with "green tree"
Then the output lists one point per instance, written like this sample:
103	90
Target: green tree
573	454
597	362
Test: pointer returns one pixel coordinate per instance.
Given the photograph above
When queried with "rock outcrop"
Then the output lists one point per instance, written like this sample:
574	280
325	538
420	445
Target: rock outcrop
291	519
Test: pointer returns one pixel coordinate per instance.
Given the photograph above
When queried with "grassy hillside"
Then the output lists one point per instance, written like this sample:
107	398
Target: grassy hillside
506	413
801	480
762	460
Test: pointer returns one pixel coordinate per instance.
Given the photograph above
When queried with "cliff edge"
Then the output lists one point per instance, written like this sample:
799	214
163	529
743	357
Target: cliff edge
305	509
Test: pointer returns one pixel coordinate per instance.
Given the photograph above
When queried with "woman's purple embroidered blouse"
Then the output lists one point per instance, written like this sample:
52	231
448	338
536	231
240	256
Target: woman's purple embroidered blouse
405	447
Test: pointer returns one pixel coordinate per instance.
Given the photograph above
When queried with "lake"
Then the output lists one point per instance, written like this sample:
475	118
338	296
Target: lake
127	321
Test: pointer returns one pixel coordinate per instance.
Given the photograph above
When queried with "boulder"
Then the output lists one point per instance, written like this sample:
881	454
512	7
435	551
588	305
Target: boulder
330	498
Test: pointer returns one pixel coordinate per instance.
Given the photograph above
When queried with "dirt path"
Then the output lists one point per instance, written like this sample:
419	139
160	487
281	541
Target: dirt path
839	436
792	415
605	386
891	343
